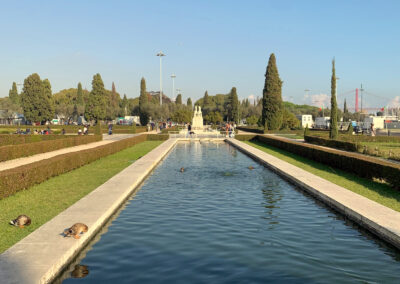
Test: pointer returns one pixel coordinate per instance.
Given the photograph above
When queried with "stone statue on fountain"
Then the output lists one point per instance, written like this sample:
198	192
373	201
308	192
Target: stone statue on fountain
197	121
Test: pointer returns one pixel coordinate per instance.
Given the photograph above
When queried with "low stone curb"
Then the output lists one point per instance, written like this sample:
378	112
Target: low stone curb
39	257
376	218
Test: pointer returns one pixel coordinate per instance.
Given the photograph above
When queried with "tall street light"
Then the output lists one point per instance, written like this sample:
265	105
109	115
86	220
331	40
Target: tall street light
161	54
173	76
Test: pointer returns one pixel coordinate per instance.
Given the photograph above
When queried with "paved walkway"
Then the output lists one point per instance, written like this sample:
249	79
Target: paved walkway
373	216
41	255
107	139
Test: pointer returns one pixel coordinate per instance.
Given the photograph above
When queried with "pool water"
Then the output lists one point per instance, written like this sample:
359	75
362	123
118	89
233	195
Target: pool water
221	222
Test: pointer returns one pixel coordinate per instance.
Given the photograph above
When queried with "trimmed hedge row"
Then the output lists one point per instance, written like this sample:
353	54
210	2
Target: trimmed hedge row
10	152
251	129
157	137
245	137
15	139
16	179
363	166
117	129
344	145
361	138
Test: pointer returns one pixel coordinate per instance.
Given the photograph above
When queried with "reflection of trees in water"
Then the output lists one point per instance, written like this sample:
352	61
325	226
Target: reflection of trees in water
80	271
272	194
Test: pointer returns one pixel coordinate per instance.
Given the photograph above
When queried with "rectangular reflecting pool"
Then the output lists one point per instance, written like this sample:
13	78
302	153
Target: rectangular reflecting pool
220	221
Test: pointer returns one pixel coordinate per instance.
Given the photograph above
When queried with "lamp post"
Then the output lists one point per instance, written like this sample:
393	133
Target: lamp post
160	54
173	76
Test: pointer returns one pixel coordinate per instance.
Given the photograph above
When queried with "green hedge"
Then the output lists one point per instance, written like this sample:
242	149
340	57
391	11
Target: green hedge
16	179
10	152
245	137
15	139
117	129
363	166
344	145
253	129
157	137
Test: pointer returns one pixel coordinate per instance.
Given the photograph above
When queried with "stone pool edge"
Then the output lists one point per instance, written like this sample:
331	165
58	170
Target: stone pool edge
376	218
43	254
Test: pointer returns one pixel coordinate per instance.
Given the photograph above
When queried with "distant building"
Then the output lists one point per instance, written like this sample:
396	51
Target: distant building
322	122
128	120
12	118
379	121
305	119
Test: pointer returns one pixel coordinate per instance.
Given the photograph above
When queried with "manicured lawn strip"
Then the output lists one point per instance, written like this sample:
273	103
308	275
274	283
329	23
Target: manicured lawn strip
378	192
44	201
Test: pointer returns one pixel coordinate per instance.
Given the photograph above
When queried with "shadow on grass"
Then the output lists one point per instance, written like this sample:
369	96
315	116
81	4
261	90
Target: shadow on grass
376	191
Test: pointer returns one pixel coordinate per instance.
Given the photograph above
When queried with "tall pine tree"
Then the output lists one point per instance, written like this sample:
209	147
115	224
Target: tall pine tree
345	111
95	108
206	100
143	102
189	103
125	105
79	95
13	94
234	106
333	133
178	100
272	108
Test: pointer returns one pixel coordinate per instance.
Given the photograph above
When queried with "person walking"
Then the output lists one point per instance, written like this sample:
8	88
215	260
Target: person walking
189	129
109	128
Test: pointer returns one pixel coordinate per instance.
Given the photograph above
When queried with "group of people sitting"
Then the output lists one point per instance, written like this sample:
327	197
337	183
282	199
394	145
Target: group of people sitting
85	130
34	132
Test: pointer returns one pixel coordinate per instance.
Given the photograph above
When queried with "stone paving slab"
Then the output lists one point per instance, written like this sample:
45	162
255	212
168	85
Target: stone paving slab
380	220
107	139
40	256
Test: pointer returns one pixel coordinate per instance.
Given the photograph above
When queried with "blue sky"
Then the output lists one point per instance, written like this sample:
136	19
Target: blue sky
210	45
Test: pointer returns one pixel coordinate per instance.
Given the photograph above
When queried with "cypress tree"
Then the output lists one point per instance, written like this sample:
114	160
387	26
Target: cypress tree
178	100
47	111
95	108
189	103
125	104
333	133
79	96
272	108
13	94
143	101
206	99
234	107
345	111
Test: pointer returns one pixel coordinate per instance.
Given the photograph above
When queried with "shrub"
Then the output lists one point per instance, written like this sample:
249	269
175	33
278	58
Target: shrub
363	166
97	128
306	131
350	129
34	173
10	152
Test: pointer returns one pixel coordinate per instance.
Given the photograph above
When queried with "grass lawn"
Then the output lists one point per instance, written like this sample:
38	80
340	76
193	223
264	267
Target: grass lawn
291	136
46	200
378	192
384	149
